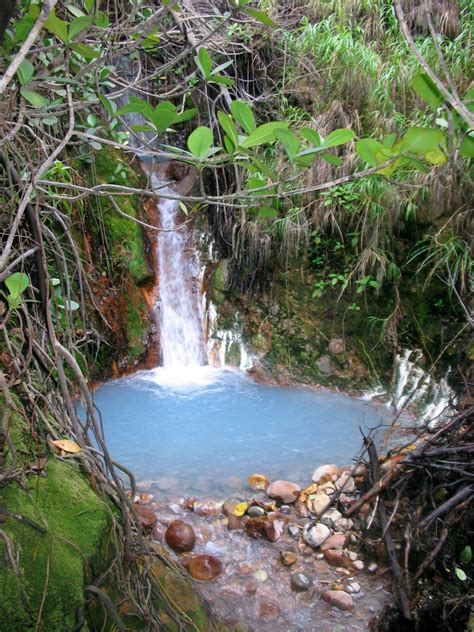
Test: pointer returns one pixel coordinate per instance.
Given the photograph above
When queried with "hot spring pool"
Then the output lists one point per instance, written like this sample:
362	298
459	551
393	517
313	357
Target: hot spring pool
205	433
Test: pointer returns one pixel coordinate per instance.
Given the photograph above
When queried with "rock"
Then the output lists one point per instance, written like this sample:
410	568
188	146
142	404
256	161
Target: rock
301	509
256	528
300	582
234	523
189	503
288	558
268	609
284	491
144	498
360	470
285	509
315	535
270	527
352	555
251	587
339	599
353	588
246	568
318	503
180	536
358	565
146	517
258	482
158	533
372	567
337	558
336	541
255	511
294	531
261	576
207	508
324	365
345	482
334	520
229	507
325	473
204	567
337	346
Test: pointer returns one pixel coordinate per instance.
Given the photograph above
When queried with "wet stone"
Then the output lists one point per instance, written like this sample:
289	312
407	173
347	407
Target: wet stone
336	541
358	565
315	535
300	582
258	482
294	531
146	517
268	609
180	536
204	567
207	508
339	599
288	558
284	491
336	557
255	511
325	473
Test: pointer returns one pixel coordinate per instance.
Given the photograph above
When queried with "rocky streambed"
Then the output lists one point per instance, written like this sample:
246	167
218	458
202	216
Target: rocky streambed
274	556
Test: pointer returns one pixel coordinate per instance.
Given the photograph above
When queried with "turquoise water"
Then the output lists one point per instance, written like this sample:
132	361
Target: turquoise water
202	432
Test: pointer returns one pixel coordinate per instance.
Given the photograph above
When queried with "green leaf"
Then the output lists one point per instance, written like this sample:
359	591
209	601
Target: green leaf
460	574
225	81
420	140
186	115
85	51
71	306
466	555
56	26
331	159
289	140
263	134
243	114
25	72
260	16
200	141
74	10
427	90
17	283
466	149
110	106
367	149
36	99
163	116
78	25
139	108
204	62
338	137
89	5
222	67
102	20
229	128
312	136
267	212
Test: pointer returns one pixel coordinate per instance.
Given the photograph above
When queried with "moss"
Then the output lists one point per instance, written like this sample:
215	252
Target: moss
136	327
54	565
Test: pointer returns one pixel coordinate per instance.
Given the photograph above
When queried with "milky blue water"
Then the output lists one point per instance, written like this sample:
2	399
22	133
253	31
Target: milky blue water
200	437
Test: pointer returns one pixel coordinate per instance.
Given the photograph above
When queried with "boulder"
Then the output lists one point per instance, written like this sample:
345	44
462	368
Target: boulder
284	491
180	536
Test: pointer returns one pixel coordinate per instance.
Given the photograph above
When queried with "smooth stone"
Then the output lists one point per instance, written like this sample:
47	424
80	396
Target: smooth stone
288	558
301	509
251	587
334	520
315	535
180	536
300	582
258	482
353	588
336	541
372	567
352	555
345	482
358	565
325	473
146	517
234	523
339	599
207	508
204	567
337	346
261	576
337	558
284	491
318	503
294	531
255	511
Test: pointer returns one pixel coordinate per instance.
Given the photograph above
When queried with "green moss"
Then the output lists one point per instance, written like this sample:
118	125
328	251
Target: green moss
54	565
136	328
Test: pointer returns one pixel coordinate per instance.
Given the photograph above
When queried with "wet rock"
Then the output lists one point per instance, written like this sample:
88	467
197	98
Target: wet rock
301	509
234	523
144	498
256	528
285	509
325	473
294	531
270	527
337	558
358	565
334	520
284	491
336	541
146	517
204	567
345	482
246	568
288	558
189	503
207	508
268	610
353	588
315	535
318	503
255	511
251	587
180	536
337	346
339	599
258	482
158	533
372	567
300	582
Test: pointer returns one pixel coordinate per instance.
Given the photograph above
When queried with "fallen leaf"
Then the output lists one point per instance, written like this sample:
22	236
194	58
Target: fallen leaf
240	509
66	445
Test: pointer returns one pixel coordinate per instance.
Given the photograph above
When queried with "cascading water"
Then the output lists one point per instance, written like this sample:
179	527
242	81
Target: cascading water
178	304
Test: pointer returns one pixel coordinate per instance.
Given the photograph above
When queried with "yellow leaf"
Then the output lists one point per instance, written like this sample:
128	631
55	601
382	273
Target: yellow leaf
240	509
310	489
436	157
66	445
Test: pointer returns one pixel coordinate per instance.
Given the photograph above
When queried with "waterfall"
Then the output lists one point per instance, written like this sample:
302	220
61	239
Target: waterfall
178	305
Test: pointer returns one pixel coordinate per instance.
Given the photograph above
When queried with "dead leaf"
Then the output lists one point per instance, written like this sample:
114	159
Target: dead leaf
66	445
240	509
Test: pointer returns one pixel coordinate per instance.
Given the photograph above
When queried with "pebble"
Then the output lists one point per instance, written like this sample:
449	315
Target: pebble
204	567
336	557
300	582
255	511
336	541
288	558
261	575
358	565
315	535
246	568
345	482
258	482
372	567
353	588
207	508
352	555
294	531
284	491
339	599
318	503
325	473
251	587
180	536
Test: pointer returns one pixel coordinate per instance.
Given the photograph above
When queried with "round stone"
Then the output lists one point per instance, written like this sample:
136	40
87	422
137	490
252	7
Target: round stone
255	511
258	482
288	558
300	582
339	599
325	473
284	491
315	535
204	567
180	536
